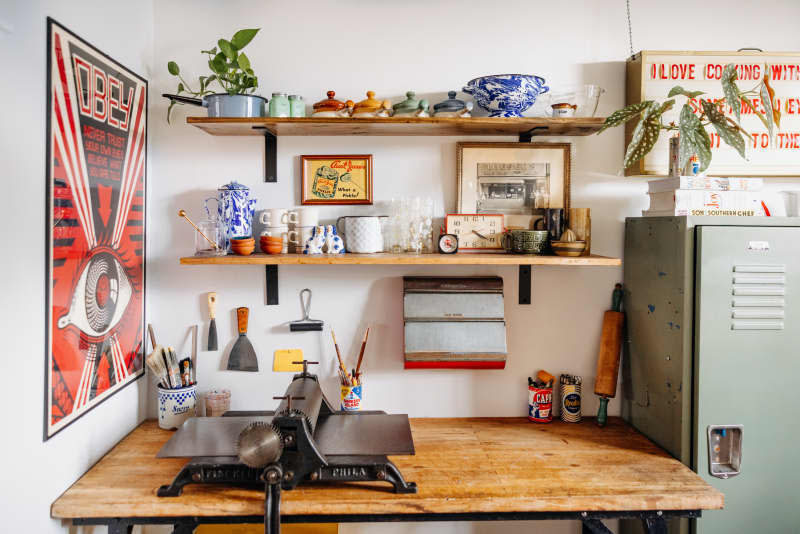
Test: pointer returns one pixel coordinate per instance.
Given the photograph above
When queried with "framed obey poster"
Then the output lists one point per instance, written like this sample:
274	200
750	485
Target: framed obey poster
96	183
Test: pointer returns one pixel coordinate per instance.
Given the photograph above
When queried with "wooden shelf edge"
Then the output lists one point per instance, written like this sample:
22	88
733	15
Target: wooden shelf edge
400	126
401	259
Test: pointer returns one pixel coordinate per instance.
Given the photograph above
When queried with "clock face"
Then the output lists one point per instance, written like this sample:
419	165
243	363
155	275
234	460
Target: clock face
448	243
477	232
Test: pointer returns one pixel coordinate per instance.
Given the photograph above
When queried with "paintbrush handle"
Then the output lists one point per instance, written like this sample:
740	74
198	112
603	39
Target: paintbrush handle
339	357
361	354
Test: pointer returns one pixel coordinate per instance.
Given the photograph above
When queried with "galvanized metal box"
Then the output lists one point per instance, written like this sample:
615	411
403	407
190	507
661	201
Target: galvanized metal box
454	322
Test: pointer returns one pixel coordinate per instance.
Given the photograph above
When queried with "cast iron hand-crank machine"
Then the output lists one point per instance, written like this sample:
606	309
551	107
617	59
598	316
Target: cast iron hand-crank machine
304	441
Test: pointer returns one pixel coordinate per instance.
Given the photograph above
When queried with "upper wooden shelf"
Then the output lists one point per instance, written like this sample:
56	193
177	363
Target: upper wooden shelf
399	126
399	259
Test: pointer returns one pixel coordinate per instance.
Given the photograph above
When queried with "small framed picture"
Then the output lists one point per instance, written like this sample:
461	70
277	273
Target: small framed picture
337	180
519	180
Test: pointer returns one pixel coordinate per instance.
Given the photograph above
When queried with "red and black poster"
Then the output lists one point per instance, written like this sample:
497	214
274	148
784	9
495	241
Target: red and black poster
96	163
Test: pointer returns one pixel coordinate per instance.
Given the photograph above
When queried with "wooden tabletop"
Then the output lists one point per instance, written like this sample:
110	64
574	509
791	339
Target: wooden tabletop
461	465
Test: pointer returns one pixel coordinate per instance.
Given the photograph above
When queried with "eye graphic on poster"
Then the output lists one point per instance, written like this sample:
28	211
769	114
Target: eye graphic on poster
96	172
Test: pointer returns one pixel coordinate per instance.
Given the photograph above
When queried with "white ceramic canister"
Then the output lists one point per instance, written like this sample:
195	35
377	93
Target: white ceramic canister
176	406
362	234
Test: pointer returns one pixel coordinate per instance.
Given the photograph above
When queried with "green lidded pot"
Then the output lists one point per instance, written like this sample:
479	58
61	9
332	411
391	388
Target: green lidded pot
411	107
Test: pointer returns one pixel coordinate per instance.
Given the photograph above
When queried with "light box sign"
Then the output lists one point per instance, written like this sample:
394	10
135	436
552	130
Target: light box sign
651	75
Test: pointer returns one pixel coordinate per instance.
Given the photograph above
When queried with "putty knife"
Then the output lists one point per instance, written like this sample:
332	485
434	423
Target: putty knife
242	356
212	326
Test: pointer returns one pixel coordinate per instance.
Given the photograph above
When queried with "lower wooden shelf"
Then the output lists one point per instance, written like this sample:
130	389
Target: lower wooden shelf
400	259
525	262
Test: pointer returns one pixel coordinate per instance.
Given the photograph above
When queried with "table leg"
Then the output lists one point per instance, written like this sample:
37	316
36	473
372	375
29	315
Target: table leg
655	525
594	526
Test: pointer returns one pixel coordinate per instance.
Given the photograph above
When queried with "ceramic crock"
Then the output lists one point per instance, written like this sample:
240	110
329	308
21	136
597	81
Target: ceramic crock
235	210
452	107
176	406
331	107
506	95
371	107
411	107
362	234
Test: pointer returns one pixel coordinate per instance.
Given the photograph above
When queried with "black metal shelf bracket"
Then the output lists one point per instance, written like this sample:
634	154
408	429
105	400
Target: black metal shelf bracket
525	284
270	155
272	285
525	137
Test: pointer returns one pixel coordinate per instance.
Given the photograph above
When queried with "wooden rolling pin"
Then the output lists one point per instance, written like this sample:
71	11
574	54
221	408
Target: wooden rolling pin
605	382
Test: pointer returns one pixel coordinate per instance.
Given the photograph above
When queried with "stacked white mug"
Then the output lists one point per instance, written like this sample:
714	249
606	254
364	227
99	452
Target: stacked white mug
276	223
304	221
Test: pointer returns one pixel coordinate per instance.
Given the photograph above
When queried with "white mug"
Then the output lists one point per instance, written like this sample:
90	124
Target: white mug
277	217
306	216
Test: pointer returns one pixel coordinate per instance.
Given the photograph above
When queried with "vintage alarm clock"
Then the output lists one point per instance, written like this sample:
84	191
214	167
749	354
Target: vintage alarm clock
448	243
476	232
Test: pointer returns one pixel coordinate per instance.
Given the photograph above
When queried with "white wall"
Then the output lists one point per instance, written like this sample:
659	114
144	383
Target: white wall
36	473
308	47
352	46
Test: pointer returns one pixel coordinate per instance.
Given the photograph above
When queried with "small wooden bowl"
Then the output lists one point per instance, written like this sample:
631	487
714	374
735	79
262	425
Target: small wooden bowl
242	241
273	249
568	248
243	250
271	243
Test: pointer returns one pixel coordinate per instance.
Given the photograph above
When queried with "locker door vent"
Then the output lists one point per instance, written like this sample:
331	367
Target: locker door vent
758	297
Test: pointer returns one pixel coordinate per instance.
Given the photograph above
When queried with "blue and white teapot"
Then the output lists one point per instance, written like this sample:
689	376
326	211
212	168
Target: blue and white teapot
235	209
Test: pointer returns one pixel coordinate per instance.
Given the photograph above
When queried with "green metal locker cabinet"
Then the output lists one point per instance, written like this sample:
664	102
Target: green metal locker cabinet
712	360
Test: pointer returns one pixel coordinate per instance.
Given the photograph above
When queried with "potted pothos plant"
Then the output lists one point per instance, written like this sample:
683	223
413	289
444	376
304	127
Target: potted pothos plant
230	70
694	138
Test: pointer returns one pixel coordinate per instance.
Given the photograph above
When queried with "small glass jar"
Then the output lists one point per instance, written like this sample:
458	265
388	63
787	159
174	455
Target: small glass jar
297	106
279	105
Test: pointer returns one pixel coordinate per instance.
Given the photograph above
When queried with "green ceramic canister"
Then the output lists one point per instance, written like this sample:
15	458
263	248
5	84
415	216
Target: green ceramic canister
526	241
297	106
279	105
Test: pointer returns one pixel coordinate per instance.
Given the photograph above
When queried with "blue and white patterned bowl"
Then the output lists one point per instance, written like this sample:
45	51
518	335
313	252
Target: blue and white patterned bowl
506	95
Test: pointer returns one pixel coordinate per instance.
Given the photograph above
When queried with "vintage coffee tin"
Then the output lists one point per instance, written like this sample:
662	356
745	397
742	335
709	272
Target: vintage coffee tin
540	404
570	398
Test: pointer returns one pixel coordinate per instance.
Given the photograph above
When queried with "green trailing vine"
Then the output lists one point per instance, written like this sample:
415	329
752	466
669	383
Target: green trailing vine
230	69
694	138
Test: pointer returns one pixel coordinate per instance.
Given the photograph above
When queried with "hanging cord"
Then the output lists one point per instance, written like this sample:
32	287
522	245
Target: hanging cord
630	30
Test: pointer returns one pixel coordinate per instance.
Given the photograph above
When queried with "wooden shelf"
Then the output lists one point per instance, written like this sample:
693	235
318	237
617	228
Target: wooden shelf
399	126
400	259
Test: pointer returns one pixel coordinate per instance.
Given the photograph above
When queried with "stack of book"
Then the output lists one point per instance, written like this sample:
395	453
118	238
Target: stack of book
706	195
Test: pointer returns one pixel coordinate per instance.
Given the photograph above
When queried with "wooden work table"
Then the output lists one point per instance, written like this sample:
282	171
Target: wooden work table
468	469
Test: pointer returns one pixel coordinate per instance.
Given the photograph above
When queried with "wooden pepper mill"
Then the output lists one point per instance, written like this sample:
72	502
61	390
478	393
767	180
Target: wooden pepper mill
605	382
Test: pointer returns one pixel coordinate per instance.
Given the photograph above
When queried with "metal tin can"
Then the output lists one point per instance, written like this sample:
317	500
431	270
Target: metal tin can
570	398
279	105
297	106
540	404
